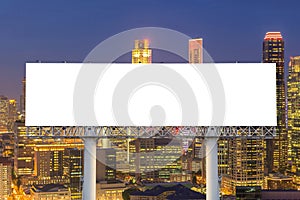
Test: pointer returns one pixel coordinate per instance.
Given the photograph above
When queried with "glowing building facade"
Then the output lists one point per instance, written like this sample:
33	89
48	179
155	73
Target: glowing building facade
23	151
155	159
50	192
5	177
110	191
294	118
7	145
141	52
73	166
23	97
273	52
4	104
245	164
196	50
106	164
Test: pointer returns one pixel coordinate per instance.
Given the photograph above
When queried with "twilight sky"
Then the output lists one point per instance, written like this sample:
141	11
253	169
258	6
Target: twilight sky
56	30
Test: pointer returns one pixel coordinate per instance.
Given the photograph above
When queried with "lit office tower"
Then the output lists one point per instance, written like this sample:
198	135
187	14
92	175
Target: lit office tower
12	114
7	145
22	97
48	163
23	151
294	118
196	50
245	164
273	52
141	52
106	164
4	104
5	177
155	159
73	164
51	163
8	113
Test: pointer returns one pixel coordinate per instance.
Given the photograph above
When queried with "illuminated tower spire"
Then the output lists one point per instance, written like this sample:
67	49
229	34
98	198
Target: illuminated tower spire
141	52
196	50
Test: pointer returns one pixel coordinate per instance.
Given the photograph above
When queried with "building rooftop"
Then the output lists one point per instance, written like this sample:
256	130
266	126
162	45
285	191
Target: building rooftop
49	188
180	192
273	36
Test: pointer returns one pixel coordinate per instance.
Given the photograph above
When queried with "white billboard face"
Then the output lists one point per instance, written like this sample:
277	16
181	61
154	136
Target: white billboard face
91	94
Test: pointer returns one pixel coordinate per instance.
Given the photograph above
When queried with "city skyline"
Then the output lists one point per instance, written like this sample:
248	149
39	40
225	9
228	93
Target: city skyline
52	162
67	32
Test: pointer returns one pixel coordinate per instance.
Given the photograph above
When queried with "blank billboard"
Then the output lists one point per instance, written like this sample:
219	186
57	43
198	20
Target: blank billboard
99	94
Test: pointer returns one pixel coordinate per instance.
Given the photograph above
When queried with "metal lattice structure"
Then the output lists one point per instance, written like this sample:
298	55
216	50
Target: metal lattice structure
259	132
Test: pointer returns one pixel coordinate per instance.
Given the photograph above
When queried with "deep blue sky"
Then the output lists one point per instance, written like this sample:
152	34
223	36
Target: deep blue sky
57	30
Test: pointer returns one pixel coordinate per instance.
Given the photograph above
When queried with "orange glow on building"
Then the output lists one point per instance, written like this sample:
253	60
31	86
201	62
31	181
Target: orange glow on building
141	52
196	50
273	36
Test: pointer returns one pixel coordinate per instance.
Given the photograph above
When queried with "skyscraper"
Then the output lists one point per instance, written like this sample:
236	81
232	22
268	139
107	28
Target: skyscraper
106	164
273	52
23	151
74	170
155	159
12	114
294	118
5	177
4	104
141	52
52	162
245	164
196	50
23	97
7	145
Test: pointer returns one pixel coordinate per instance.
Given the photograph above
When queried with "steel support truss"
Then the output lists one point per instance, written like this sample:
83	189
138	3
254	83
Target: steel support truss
259	132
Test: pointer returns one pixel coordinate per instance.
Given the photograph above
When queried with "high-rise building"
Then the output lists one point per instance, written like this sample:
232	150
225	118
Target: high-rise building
49	160
23	151
7	145
273	52
121	147
23	97
294	118
223	156
196	50
141	52
106	164
73	164
4	104
155	159
5	177
12	114
8	113
51	163
245	164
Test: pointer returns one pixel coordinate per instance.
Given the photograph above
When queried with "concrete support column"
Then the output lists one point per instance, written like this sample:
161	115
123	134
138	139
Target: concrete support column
212	179
89	175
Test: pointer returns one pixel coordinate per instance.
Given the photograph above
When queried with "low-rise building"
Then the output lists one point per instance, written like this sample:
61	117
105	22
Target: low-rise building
278	182
110	190
176	192
50	192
